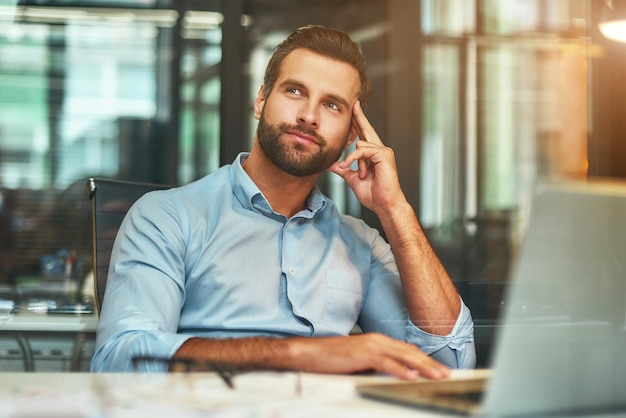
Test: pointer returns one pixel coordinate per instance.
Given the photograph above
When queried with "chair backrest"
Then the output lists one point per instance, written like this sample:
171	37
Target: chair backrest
110	200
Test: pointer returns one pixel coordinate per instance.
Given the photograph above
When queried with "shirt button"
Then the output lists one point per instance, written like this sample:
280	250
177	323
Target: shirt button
292	271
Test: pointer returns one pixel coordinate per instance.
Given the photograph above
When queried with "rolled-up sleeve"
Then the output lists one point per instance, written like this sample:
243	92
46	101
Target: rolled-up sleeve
456	349
145	289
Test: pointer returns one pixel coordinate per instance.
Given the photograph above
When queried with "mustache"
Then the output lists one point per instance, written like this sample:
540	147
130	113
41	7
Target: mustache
285	127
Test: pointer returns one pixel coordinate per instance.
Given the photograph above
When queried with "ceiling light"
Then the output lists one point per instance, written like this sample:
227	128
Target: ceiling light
613	21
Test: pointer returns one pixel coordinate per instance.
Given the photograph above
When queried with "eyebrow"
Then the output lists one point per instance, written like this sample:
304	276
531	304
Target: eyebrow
333	97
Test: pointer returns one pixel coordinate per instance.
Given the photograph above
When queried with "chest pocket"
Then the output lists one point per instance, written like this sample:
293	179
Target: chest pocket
344	297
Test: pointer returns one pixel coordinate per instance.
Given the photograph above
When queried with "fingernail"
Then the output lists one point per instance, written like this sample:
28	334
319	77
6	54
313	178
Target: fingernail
412	374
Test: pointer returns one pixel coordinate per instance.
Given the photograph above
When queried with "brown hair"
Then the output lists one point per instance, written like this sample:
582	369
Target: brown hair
332	43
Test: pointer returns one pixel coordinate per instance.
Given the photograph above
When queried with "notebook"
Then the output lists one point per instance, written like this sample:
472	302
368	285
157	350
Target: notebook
561	344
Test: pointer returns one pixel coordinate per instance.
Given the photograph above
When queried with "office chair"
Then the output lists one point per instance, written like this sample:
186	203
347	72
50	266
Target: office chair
110	200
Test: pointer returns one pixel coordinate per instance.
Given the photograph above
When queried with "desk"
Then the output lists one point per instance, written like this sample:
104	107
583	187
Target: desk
24	325
258	394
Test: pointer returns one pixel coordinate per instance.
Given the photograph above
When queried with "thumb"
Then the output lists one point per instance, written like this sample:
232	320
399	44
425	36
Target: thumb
337	169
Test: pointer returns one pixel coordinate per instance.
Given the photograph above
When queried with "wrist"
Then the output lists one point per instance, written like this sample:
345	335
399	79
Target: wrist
396	214
295	353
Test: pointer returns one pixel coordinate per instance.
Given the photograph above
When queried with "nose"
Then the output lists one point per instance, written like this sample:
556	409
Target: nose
308	114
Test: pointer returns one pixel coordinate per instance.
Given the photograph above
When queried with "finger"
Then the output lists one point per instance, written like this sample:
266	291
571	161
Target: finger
416	359
339	169
397	369
412	365
428	367
363	167
362	151
364	129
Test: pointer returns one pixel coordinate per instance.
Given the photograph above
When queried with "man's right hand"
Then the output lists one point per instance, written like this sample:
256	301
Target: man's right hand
370	352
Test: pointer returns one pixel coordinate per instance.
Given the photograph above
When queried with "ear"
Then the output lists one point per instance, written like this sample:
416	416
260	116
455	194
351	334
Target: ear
351	138
259	102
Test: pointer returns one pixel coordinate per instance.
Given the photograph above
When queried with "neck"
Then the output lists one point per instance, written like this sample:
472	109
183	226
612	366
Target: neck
286	194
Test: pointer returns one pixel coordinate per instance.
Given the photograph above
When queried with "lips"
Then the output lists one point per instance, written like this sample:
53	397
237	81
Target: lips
305	136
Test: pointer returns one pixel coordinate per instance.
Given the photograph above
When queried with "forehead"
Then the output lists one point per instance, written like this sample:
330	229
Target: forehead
320	73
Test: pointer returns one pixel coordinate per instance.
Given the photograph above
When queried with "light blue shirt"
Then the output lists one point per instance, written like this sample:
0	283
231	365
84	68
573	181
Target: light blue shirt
212	259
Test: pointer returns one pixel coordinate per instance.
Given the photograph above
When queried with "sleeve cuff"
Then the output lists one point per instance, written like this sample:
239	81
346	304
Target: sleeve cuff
458	339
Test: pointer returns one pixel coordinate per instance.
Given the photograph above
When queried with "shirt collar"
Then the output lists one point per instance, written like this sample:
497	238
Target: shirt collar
251	198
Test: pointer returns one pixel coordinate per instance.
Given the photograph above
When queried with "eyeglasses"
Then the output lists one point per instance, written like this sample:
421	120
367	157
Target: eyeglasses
185	365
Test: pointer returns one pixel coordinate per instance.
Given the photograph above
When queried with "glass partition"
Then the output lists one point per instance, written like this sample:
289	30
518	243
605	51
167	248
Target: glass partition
92	88
504	106
478	98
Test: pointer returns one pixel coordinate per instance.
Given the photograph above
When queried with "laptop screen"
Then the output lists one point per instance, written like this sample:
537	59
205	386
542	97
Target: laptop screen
561	343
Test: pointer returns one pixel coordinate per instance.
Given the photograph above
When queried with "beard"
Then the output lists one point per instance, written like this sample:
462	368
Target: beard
294	158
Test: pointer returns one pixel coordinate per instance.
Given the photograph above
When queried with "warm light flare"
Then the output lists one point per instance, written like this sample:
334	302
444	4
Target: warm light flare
614	30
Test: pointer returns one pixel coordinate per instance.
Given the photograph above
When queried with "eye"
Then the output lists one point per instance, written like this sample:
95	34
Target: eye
333	106
295	91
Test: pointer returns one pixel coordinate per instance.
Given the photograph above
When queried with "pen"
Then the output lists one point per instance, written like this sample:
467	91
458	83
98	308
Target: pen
189	365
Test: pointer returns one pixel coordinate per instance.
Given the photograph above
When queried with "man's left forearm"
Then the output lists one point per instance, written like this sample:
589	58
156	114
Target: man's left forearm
432	299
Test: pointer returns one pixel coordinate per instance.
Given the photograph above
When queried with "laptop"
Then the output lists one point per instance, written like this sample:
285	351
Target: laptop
561	344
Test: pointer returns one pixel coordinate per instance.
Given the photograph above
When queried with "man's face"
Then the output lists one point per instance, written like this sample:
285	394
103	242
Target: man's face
305	122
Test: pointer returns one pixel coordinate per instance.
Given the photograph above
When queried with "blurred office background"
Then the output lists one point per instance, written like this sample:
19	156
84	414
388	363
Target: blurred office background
480	99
